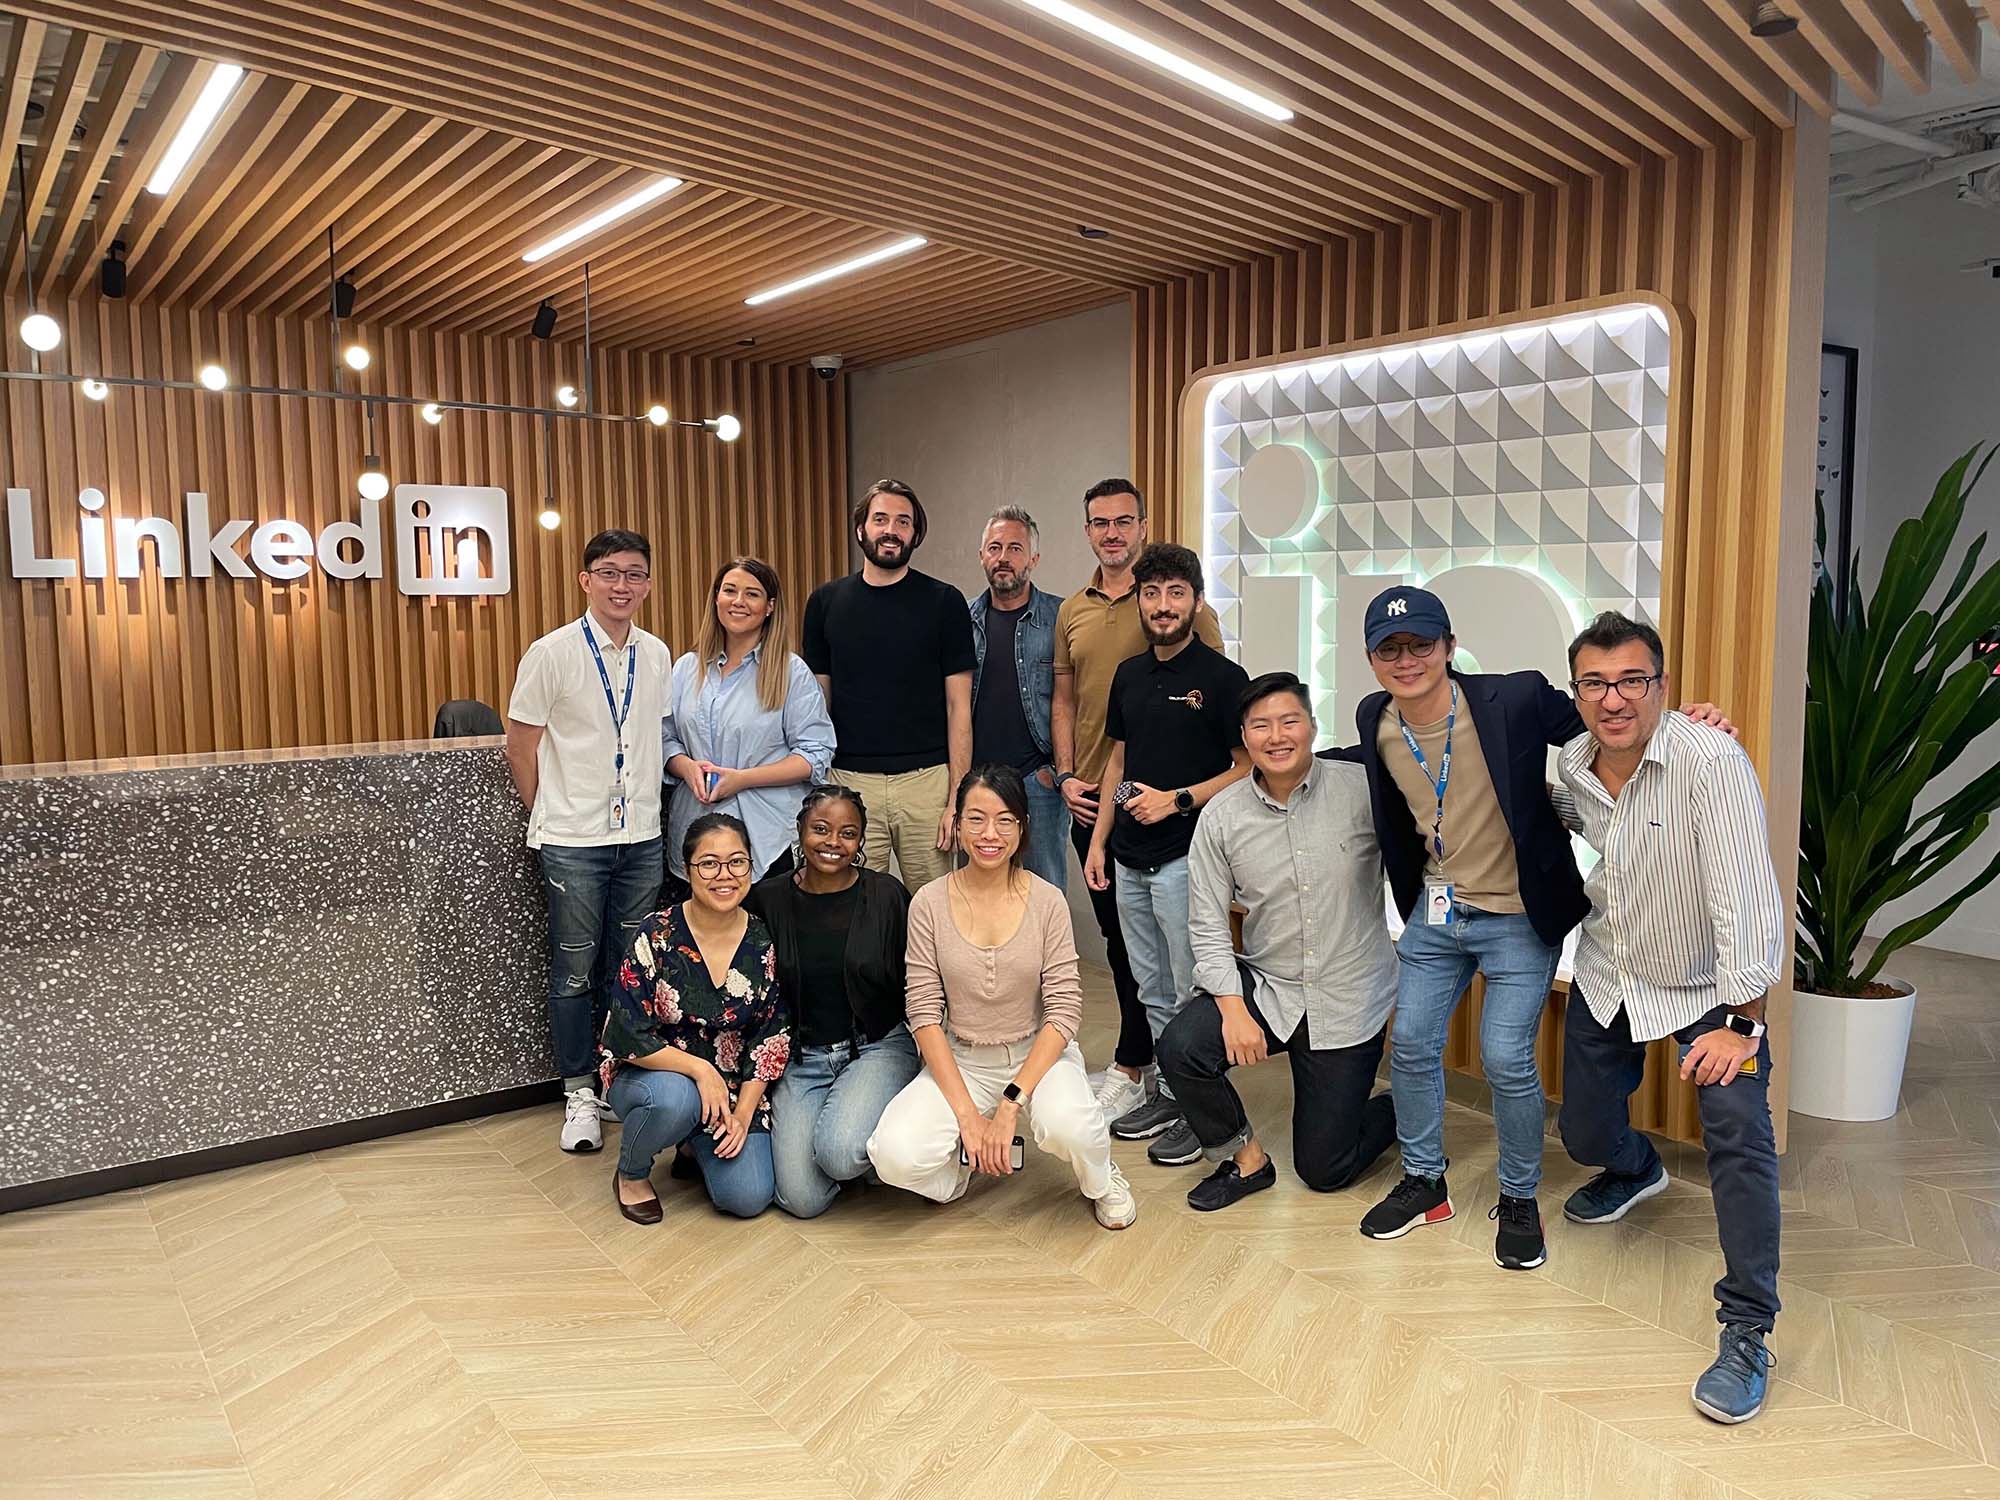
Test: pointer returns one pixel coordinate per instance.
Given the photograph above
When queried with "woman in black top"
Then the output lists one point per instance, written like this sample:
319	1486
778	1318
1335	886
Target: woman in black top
839	931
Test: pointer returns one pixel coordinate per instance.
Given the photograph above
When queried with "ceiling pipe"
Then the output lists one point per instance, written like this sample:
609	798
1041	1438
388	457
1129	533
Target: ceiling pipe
1929	177
1909	140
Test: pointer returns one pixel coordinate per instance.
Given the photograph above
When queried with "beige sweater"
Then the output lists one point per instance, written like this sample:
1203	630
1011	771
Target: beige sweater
994	995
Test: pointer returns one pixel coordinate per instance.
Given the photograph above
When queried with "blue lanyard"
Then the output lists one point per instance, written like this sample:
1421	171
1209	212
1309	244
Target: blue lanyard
1443	777
618	716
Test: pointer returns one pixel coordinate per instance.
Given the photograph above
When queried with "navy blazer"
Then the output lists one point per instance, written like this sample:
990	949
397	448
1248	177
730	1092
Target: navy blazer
1518	716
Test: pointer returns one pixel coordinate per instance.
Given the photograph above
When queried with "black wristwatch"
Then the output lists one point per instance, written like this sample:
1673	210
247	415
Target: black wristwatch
1013	1095
1744	1026
1184	800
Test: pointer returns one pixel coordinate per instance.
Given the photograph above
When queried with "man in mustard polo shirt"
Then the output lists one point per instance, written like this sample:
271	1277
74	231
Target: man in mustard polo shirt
1097	628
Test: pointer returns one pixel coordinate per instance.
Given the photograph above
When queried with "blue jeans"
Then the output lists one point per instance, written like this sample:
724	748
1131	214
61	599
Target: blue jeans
1048	832
657	1111
599	896
1435	965
824	1109
1602	1066
1153	915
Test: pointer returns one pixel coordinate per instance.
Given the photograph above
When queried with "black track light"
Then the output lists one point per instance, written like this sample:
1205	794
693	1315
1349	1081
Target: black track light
111	271
343	297
1770	19
544	326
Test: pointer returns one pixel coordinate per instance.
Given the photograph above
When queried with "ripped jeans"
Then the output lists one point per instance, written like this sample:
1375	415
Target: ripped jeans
599	895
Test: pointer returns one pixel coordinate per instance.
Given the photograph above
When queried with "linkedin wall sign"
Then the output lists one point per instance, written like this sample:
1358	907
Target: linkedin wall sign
449	539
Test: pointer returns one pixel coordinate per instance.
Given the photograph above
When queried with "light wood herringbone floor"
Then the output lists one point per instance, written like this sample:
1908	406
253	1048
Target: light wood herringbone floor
462	1312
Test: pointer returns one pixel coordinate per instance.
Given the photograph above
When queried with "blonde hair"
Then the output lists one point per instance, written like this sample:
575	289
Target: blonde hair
774	667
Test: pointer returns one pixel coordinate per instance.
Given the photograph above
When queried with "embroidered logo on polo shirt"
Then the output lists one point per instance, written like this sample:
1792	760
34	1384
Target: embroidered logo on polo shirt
1192	698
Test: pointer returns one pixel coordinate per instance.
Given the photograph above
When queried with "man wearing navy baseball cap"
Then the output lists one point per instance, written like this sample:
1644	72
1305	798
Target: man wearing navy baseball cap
1483	874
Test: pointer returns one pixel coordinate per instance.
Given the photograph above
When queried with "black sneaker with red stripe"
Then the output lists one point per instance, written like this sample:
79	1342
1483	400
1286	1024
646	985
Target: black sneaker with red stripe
1412	1203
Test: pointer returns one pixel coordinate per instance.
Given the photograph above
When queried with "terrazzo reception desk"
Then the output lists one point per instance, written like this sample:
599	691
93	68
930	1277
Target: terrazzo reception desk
206	959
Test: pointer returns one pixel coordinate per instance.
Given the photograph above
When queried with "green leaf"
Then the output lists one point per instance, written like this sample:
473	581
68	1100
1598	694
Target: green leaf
1918	928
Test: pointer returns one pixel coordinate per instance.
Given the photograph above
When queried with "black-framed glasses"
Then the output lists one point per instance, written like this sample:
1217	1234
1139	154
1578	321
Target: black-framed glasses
1102	524
709	866
1393	650
1631	689
621	575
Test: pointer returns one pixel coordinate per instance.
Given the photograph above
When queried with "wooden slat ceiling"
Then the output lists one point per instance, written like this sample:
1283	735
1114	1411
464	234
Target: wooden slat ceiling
440	138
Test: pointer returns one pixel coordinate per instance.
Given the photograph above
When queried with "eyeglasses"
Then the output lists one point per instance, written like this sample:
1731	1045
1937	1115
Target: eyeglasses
1393	650
976	823
709	866
1102	524
1631	689
620	575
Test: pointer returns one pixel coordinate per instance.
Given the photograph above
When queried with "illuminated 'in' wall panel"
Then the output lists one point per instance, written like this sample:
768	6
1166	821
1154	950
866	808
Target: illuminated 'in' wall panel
1519	471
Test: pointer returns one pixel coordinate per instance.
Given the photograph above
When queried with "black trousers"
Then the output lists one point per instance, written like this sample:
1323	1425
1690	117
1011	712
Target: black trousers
1602	1065
1338	1129
1135	1032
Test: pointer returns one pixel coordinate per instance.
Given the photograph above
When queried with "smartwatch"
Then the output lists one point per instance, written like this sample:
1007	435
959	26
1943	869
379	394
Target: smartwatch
1744	1026
1062	776
1184	800
1013	1095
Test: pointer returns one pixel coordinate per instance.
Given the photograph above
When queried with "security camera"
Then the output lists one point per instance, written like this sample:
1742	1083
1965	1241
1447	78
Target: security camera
826	366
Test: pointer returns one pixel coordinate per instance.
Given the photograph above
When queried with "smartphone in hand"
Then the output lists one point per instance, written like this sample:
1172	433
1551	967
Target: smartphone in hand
1020	1154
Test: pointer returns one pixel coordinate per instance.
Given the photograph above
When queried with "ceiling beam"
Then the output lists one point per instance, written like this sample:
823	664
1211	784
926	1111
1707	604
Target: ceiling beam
1954	30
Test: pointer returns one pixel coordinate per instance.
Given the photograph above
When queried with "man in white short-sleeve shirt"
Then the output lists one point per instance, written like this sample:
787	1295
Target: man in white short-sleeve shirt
583	742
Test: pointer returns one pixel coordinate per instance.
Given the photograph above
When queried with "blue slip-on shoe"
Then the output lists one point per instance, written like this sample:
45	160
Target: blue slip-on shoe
1608	1196
1732	1389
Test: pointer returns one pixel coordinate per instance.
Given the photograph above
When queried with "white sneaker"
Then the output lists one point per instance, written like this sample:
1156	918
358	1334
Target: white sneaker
580	1131
1117	1208
1120	1093
605	1111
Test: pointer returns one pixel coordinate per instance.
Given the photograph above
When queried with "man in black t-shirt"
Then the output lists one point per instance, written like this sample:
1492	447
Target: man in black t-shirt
892	649
1176	741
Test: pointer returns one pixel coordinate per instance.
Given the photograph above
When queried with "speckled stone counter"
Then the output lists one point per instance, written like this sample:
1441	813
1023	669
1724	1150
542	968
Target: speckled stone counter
200	953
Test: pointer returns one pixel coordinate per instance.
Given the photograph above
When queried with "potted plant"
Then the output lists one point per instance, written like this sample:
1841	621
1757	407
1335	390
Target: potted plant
1895	694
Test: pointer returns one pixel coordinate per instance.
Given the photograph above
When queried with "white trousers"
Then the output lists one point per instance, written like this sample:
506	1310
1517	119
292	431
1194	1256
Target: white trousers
915	1144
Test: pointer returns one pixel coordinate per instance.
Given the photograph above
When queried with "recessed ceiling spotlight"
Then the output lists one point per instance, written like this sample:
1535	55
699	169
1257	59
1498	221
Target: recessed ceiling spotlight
1160	57
658	188
1771	19
843	268
207	105
1093	232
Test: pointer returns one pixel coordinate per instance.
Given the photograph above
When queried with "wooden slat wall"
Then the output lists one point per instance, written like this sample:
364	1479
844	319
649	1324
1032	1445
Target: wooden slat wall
1714	232
96	669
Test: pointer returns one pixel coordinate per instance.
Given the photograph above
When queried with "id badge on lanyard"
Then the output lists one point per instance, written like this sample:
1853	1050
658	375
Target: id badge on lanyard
1440	904
619	715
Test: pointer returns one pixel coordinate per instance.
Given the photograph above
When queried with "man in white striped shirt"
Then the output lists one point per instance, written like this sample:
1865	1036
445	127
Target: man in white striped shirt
1685	936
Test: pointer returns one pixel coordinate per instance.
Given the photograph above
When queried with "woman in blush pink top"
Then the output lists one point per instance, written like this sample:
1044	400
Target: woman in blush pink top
994	1002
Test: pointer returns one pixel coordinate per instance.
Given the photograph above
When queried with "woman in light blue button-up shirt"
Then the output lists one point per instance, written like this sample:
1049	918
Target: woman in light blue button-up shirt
746	728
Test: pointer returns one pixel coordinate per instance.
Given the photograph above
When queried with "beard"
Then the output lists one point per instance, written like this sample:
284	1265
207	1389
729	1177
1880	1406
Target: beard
1169	635
1006	583
886	551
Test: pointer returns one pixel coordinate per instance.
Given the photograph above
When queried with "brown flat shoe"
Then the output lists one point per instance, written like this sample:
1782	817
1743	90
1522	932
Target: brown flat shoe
639	1213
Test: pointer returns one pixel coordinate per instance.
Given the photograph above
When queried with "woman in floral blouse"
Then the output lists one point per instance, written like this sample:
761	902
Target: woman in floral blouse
697	1035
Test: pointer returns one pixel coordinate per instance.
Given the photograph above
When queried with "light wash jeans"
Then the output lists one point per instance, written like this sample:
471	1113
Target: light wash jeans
1153	915
657	1111
825	1107
1435	965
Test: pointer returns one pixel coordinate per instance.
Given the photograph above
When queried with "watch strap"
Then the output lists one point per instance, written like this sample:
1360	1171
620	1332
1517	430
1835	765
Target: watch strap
1012	1093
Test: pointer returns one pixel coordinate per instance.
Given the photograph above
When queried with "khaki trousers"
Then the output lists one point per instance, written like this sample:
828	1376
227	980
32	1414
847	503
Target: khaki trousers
903	812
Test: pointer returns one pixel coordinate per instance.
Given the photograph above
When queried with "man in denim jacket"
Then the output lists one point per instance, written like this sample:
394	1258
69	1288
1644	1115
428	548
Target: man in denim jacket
1010	702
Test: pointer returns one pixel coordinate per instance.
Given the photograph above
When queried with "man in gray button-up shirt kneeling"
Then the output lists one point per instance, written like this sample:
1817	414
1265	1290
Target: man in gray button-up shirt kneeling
1295	844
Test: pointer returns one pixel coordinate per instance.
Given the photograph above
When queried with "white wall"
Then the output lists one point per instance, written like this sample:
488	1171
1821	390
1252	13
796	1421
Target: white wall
1929	336
1029	418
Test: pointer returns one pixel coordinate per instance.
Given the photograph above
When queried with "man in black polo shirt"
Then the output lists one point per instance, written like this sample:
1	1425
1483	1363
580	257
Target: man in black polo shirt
1175	742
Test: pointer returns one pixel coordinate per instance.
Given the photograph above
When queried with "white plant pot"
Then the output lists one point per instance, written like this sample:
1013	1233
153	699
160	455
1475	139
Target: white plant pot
1848	1052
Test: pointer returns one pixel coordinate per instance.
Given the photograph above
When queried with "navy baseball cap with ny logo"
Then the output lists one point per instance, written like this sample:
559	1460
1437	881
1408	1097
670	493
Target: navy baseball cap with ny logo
1405	611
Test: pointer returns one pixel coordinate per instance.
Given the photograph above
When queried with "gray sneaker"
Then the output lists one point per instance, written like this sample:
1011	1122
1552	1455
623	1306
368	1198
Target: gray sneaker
1156	1116
1176	1148
1732	1389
